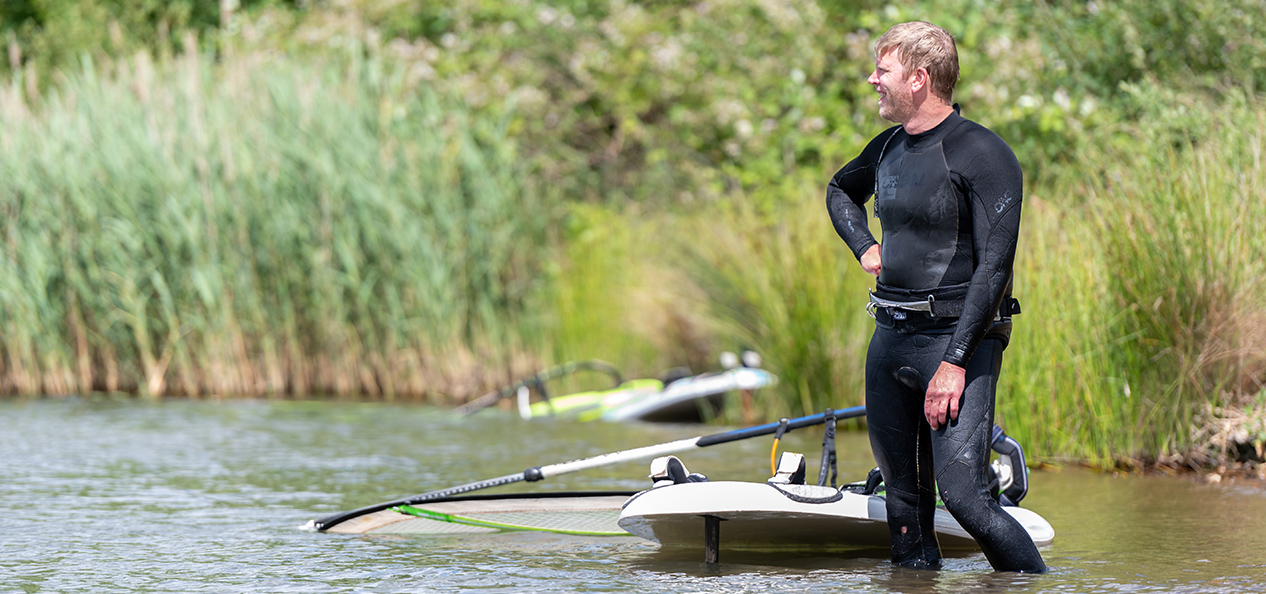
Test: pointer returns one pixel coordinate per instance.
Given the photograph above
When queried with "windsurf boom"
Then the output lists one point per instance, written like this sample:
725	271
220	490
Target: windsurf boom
537	473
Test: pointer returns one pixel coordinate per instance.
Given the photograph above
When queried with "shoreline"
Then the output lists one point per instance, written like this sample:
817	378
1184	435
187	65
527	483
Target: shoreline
1251	472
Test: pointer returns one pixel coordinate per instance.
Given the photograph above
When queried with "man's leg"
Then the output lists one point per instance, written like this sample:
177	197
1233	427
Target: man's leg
900	440
961	450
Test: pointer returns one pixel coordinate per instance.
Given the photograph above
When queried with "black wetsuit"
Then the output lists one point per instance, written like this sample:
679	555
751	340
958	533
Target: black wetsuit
949	203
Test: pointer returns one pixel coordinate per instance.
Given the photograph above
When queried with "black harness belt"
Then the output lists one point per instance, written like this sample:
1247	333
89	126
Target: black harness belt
945	308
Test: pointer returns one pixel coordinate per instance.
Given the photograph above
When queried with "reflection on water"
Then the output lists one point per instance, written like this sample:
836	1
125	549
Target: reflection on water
125	496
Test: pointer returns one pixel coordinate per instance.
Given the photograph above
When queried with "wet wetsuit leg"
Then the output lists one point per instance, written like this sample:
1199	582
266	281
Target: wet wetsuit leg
961	454
906	451
901	441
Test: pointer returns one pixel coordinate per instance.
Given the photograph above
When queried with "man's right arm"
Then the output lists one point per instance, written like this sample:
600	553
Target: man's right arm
847	193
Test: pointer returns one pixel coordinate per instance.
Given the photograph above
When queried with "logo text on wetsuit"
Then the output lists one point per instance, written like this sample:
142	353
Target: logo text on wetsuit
1003	202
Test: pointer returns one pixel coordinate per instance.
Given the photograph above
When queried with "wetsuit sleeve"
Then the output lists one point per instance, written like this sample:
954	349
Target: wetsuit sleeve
848	191
994	186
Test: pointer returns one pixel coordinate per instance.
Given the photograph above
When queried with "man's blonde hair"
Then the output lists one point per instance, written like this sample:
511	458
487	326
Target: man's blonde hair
924	45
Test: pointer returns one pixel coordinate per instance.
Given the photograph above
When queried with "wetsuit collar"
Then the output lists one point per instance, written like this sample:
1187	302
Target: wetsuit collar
936	133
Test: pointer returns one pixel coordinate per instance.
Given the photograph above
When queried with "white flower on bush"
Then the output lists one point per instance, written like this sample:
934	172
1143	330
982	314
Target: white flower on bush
998	46
729	110
1088	106
813	124
421	71
529	96
666	55
782	14
612	32
1061	99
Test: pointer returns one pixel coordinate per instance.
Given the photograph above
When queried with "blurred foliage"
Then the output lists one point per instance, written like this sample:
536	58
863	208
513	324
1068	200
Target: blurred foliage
54	33
678	102
1102	45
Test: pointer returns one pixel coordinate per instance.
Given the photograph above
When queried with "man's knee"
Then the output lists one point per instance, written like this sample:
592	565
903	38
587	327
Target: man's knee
962	492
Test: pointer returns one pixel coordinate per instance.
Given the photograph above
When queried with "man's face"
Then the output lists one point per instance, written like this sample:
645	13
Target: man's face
896	99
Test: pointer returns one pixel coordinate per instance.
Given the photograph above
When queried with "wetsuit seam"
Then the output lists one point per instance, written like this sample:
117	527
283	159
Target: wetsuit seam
979	202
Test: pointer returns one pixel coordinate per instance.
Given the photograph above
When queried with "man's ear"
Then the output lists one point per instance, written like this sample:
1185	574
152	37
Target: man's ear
920	80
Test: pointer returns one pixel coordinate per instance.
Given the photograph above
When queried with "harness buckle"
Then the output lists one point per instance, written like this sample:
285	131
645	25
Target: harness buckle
895	306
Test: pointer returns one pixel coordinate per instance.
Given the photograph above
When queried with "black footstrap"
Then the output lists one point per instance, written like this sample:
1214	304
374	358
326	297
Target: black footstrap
870	486
828	451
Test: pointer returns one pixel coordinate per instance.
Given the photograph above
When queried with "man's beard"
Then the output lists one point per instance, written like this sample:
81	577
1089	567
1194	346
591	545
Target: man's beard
896	108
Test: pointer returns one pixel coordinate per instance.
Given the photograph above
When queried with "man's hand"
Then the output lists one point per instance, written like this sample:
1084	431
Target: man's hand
945	392
871	261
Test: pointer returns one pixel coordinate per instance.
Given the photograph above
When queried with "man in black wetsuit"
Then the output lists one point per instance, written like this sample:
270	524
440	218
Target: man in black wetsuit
947	194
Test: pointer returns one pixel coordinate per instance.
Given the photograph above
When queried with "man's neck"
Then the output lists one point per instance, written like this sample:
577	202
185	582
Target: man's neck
928	116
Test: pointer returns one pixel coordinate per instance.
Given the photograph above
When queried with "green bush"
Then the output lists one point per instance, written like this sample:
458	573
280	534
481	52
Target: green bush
55	34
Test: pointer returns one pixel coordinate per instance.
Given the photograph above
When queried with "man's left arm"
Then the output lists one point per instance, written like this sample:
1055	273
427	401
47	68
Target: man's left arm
995	190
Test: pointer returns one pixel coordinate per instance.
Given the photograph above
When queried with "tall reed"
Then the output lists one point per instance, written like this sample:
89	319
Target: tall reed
783	283
605	294
262	225
1059	393
1180	227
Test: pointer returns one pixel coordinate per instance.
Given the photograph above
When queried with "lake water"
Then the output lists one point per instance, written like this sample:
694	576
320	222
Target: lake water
105	495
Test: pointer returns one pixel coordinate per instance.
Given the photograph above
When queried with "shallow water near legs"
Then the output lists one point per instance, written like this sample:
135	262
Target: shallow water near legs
107	495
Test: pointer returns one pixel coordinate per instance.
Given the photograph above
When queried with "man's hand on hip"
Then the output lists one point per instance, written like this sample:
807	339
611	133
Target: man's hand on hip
871	260
945	392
